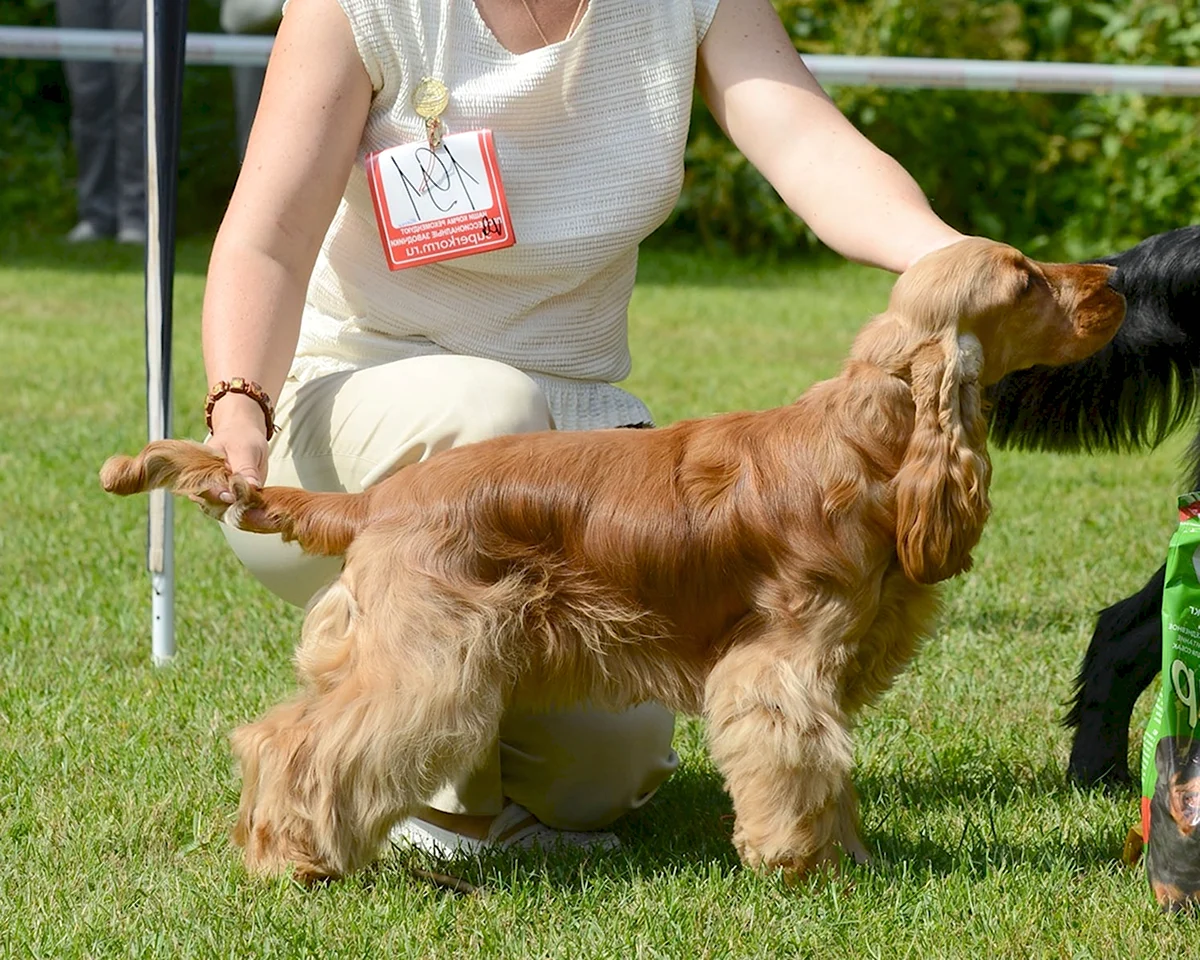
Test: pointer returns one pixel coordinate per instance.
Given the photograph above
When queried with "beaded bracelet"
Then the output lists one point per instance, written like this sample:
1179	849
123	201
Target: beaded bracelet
247	387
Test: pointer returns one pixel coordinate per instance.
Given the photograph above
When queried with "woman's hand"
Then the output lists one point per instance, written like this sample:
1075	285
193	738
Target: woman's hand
239	434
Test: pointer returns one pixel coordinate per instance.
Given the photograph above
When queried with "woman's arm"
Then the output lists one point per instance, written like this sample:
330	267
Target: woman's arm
305	136
855	197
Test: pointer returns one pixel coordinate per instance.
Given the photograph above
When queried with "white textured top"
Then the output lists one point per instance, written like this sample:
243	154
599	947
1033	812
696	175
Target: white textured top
590	134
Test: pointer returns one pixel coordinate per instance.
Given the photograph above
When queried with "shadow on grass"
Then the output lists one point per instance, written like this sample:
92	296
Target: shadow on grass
688	826
974	798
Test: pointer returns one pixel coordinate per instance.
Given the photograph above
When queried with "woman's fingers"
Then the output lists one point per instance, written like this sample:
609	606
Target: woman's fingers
245	453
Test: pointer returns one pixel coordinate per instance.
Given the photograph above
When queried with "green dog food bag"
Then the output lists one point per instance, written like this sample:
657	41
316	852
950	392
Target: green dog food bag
1170	750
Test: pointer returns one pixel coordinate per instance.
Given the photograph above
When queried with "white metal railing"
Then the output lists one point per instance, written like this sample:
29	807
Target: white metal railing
50	43
59	43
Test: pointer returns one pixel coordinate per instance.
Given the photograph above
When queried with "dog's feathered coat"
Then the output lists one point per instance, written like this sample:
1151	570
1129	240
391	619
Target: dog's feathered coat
1135	391
770	569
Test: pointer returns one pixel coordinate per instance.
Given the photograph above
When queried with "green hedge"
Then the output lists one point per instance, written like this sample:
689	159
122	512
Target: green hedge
1057	174
1060	174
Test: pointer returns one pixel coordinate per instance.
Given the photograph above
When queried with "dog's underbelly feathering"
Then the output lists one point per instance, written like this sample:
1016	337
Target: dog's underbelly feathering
773	571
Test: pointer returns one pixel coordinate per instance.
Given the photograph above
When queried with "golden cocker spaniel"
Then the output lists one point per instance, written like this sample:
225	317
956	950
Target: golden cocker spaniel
771	570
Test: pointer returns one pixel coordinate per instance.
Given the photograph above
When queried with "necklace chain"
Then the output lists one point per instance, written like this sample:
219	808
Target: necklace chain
538	27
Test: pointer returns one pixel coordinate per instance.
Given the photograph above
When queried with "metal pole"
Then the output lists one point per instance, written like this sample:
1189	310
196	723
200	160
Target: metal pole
165	33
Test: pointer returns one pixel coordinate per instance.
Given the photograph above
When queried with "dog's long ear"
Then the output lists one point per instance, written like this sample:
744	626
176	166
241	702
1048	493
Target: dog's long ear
275	815
942	485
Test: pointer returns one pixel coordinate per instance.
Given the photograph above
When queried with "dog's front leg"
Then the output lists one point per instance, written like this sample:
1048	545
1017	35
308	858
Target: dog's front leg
779	737
847	825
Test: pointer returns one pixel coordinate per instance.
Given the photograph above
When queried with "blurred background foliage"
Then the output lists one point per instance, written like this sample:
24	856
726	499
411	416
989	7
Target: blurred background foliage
1060	175
1056	174
37	167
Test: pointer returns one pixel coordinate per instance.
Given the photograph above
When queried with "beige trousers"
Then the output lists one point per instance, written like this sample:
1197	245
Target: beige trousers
574	769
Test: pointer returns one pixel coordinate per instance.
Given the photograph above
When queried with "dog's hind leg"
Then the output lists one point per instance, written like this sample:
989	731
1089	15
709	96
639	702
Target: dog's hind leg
1123	657
778	734
397	704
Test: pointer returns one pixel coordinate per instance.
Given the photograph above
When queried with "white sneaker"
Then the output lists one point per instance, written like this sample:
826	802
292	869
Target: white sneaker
514	828
132	235
84	232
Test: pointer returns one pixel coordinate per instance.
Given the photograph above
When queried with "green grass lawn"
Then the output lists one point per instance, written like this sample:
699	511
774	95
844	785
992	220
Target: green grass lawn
117	790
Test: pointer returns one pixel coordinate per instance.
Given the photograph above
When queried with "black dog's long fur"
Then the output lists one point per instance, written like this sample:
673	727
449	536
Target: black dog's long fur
1133	393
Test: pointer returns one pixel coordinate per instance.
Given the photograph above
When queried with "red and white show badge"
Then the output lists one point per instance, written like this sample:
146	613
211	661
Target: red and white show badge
439	204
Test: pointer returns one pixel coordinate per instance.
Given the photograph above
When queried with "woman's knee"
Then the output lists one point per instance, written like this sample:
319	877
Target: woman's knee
347	432
476	399
513	402
583	769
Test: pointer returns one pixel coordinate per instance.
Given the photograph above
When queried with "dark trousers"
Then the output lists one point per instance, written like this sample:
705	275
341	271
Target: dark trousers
107	120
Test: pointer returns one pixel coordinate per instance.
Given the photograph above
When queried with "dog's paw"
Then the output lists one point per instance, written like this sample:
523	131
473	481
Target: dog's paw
793	864
853	847
246	511
858	853
214	509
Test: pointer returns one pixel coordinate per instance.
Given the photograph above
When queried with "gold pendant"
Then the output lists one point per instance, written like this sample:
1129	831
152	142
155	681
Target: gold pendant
429	99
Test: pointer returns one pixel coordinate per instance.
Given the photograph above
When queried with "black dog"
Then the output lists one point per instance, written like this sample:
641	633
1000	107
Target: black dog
1133	393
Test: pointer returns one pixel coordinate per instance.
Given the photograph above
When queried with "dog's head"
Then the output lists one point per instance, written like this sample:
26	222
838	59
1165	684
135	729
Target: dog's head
1023	312
960	318
1139	388
1173	846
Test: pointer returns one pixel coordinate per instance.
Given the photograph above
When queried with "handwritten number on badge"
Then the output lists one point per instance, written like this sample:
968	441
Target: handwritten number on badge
435	204
438	181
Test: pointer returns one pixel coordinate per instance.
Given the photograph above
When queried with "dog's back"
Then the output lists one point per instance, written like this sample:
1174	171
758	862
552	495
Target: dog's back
675	516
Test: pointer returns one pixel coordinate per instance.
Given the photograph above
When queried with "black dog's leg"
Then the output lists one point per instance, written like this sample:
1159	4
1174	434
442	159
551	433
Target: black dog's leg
1135	392
1124	656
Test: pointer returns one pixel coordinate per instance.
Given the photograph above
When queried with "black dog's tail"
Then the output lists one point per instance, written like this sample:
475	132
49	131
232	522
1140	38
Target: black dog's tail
1137	390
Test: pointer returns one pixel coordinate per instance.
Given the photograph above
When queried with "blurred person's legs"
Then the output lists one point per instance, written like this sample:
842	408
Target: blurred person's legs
129	81
93	114
107	126
248	17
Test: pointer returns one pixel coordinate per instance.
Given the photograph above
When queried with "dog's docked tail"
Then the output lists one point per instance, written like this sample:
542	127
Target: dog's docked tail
322	523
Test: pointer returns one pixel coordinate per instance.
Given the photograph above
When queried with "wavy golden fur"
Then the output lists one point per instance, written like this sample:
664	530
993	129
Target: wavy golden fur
771	570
